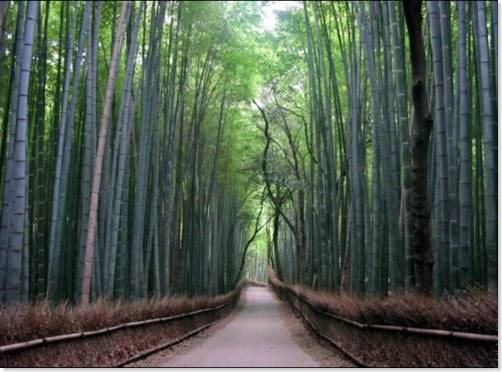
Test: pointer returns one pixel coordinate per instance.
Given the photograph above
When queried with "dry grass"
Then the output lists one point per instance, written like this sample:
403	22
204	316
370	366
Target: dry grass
254	283
26	322
476	312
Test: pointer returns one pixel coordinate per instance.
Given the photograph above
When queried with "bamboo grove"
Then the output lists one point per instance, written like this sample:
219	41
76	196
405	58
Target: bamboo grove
119	173
152	148
381	146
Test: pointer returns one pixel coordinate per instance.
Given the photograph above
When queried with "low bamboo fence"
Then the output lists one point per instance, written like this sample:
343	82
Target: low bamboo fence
38	352
383	345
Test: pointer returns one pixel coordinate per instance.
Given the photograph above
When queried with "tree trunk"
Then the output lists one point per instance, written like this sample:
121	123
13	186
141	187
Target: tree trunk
421	127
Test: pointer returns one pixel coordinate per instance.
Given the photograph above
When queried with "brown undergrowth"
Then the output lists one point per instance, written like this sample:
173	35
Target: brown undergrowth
255	283
475	312
25	322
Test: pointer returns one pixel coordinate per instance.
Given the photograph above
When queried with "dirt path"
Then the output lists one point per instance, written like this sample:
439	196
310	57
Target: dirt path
261	333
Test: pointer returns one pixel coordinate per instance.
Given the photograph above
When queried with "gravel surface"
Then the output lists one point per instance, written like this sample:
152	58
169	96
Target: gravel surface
261	332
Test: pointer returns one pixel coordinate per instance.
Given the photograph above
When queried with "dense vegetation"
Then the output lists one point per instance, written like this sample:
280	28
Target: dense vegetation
153	148
394	183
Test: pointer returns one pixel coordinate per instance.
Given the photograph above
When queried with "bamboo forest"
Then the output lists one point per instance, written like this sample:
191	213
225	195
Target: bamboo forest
161	157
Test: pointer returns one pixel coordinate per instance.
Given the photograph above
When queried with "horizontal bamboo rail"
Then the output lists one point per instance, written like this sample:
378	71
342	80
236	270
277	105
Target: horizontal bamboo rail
4	349
316	330
394	328
144	354
415	330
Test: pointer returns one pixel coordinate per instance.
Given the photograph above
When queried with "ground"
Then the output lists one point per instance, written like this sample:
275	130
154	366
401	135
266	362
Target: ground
261	332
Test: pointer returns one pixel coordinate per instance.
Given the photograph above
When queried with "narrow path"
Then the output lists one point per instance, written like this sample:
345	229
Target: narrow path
256	336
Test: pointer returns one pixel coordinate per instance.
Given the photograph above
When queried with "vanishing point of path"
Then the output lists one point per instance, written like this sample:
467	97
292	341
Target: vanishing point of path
262	332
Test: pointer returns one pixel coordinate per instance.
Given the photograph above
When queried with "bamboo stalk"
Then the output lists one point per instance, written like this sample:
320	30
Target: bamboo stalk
437	332
63	337
19	345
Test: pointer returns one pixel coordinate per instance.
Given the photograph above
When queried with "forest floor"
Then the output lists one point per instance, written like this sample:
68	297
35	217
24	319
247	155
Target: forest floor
261	332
